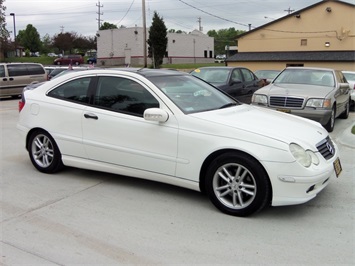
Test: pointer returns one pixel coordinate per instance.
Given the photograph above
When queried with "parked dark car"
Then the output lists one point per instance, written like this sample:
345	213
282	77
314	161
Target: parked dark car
91	60
239	82
319	94
73	59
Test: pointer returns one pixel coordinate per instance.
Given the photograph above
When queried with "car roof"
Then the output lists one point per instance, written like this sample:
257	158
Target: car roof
311	68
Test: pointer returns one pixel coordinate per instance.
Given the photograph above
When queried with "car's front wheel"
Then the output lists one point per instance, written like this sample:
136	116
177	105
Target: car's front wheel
330	125
237	184
44	152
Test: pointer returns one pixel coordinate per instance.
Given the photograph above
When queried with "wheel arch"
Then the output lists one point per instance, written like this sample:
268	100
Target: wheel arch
31	132
217	153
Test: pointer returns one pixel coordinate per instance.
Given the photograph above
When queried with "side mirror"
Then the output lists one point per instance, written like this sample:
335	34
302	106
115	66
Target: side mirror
156	114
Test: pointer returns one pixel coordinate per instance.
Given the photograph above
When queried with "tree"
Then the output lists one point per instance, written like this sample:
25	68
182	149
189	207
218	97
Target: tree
157	41
107	26
64	41
224	37
4	34
83	44
29	38
46	44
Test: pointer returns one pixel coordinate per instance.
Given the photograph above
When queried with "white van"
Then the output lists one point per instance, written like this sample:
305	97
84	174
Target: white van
15	76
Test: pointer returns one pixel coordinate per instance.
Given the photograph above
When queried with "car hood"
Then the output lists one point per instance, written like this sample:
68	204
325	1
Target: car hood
264	122
298	90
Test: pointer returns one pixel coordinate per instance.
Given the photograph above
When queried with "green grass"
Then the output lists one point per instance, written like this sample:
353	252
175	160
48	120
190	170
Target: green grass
45	60
353	130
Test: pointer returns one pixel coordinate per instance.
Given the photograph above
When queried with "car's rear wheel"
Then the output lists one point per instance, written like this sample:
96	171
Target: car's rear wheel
330	125
44	152
237	184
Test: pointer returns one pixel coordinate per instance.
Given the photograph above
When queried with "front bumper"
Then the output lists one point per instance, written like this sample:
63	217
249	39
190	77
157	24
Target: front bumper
319	115
303	185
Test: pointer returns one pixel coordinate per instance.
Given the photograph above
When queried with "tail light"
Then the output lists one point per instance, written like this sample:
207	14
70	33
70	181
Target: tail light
21	103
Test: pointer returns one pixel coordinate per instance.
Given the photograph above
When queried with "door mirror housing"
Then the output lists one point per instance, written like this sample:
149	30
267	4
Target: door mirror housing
156	114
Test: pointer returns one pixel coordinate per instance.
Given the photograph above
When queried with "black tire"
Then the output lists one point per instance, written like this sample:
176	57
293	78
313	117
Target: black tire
44	152
89	62
237	184
58	63
330	125
345	114
77	63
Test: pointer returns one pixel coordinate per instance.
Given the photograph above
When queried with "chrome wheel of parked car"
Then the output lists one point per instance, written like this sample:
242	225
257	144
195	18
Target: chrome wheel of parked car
44	152
237	184
330	125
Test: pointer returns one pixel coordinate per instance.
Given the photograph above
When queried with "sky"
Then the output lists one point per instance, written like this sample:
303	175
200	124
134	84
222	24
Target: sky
82	16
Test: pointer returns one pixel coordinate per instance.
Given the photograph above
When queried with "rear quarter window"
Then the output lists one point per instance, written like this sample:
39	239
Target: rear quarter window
35	70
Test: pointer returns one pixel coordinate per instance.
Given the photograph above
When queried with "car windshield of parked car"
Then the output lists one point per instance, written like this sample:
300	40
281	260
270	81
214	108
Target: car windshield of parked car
269	74
192	95
212	75
349	76
323	78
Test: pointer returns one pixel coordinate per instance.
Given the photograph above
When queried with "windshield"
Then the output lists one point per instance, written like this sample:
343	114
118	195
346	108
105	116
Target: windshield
349	76
212	75
192	95
270	74
306	76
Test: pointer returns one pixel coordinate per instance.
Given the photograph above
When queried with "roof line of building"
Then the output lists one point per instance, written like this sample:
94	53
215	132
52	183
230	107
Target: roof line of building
291	15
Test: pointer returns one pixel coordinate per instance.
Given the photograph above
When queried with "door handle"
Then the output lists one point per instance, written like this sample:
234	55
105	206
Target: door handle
91	116
11	79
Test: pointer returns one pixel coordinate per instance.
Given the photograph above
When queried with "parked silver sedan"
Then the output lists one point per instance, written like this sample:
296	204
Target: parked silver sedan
319	94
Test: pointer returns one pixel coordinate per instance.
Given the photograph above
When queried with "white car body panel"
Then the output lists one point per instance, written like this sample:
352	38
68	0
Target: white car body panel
127	145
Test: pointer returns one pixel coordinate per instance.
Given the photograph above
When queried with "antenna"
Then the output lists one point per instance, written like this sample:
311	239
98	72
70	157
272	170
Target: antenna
289	10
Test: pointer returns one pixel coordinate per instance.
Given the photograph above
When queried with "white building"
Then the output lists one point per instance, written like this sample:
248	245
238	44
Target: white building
125	46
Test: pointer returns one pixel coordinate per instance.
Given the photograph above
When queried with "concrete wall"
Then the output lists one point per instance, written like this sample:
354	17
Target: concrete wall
125	46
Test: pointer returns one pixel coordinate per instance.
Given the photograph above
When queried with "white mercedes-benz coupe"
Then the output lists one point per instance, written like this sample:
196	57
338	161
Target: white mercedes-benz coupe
172	127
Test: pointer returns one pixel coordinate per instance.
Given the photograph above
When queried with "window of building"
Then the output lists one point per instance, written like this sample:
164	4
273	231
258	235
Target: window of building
303	42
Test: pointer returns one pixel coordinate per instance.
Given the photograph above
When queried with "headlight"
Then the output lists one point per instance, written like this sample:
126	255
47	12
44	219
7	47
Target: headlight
318	103
259	99
304	157
300	155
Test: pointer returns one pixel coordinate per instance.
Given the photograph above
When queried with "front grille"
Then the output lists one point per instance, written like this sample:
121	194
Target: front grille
291	102
326	148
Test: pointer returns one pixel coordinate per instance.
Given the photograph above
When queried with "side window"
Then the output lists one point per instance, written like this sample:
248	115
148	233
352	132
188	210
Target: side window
123	95
2	71
74	90
341	77
248	76
35	69
17	70
236	75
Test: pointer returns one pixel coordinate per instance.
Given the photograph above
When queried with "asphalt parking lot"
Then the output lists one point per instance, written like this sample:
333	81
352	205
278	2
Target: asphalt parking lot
89	218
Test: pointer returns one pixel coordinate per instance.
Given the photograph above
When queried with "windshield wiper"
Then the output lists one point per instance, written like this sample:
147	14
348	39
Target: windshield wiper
228	105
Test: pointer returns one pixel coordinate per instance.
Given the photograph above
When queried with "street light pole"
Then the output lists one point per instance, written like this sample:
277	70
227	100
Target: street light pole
144	34
13	15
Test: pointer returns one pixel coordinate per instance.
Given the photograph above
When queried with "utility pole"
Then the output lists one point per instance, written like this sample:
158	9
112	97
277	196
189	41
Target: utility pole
199	24
99	14
144	34
289	10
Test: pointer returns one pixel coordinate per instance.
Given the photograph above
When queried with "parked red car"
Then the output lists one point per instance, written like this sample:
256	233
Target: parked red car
73	59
